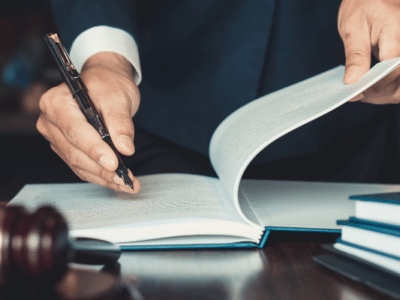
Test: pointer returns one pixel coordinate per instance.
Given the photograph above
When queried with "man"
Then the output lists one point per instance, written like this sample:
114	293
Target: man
202	60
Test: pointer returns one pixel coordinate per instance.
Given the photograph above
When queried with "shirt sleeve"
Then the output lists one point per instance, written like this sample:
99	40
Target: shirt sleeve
105	38
94	26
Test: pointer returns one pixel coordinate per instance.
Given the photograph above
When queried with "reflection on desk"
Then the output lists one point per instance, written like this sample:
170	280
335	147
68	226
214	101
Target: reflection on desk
283	270
200	274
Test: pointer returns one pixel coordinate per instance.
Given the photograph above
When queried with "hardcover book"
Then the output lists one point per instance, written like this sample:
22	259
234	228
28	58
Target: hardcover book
383	207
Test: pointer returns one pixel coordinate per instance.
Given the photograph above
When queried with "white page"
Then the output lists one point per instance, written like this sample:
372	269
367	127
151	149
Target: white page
301	204
247	131
188	240
168	204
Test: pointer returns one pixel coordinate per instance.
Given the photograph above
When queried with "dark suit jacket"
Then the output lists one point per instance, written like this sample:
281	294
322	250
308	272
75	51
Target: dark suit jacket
203	59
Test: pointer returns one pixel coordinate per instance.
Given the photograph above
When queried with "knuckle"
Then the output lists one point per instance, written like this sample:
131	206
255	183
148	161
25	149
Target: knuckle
80	174
135	100
396	95
375	88
72	156
44	101
53	101
121	121
92	153
346	26
105	174
71	133
112	186
40	125
356	53
43	130
54	148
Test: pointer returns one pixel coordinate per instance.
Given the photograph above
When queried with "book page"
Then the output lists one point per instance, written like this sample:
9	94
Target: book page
189	203
165	196
302	204
247	131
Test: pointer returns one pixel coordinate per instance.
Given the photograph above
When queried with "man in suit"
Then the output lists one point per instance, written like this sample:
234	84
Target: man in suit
200	61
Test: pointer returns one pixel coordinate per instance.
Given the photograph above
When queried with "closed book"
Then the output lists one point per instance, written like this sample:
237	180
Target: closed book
376	236
381	207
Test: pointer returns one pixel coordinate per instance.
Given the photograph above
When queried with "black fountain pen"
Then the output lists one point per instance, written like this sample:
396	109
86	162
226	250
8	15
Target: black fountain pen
79	91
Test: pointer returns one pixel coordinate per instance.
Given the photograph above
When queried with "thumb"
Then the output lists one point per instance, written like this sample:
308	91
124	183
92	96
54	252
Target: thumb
118	119
357	48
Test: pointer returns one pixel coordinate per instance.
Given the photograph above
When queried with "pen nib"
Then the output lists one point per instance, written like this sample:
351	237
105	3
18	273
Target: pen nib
128	182
124	175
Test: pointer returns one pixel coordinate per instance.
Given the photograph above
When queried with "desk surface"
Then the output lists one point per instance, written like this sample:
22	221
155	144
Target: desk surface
282	270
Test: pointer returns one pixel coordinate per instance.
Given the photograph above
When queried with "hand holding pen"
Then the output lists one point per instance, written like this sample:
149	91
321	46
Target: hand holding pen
85	146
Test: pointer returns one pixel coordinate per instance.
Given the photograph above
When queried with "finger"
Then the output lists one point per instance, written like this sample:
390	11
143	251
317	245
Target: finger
87	176
96	174
357	46
60	109
385	91
58	101
389	43
118	108
357	98
136	182
120	125
81	135
75	157
41	126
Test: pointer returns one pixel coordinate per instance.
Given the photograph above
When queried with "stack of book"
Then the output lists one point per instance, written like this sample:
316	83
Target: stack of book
374	233
368	250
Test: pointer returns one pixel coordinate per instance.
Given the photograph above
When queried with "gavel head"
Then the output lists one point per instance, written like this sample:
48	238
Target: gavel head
34	246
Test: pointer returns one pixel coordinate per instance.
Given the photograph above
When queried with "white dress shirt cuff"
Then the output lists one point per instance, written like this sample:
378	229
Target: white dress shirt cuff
104	38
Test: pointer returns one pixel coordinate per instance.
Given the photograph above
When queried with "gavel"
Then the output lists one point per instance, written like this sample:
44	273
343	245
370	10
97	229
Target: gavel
36	247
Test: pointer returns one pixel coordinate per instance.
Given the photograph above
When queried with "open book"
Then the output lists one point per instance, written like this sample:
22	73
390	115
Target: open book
181	210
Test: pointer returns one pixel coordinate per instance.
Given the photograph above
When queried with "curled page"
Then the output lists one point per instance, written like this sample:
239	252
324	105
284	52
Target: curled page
251	128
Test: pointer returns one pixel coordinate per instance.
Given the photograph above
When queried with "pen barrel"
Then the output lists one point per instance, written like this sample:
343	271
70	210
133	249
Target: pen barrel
90	112
121	167
93	117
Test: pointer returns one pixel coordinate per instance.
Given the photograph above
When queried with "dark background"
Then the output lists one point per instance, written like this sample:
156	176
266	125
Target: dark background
26	72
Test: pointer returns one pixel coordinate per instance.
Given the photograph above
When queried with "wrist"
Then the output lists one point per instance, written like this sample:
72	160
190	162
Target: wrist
109	60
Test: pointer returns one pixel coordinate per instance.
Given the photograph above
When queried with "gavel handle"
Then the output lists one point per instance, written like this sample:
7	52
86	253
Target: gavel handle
95	252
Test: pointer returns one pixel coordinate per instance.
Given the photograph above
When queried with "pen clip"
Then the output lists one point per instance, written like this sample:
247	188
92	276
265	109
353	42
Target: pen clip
61	55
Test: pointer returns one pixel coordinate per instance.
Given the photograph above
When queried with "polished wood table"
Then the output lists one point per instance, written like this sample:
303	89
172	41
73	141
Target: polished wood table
282	270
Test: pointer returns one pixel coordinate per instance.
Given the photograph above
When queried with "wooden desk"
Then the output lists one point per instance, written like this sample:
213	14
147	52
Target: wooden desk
282	270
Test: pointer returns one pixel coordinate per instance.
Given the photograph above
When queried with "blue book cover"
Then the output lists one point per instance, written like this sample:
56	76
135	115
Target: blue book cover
389	198
384	228
241	245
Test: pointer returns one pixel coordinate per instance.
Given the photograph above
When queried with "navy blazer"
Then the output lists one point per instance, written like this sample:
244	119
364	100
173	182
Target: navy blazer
203	59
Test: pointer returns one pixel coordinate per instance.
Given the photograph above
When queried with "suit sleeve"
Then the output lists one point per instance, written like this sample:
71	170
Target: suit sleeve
87	27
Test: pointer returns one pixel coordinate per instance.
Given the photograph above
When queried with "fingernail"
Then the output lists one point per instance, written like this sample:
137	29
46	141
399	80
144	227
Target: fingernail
124	188
118	180
106	162
135	181
136	185
127	142
358	97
